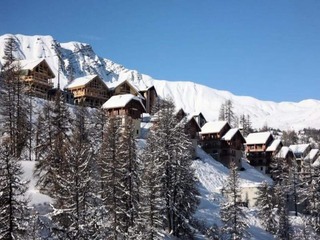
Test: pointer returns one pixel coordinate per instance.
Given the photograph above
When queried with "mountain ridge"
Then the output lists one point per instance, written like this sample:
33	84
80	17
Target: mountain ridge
79	59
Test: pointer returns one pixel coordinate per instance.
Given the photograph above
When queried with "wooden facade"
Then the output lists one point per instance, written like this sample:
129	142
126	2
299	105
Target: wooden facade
181	114
125	108
232	148
200	119
90	91
132	109
124	87
256	151
37	77
211	138
150	98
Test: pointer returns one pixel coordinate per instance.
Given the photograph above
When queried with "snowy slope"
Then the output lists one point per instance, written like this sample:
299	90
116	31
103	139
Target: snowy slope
212	176
79	59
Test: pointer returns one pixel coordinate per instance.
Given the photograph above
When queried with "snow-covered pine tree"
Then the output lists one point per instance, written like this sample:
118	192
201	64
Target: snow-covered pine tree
128	154
51	144
264	202
150	221
44	149
231	213
14	211
304	231
281	173
75	204
13	105
185	194
311	195
282	229
179	191
112	177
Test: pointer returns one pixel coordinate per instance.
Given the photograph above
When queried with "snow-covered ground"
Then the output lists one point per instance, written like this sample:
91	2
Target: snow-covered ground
212	176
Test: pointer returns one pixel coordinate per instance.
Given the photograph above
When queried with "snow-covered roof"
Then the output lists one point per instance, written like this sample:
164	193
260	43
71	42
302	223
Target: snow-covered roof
30	64
113	85
213	127
316	163
258	138
119	101
312	154
274	145
81	81
283	152
299	148
229	135
118	83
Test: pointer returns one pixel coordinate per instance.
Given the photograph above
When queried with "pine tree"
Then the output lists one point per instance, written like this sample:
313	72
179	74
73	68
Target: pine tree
149	223
246	124
232	216
14	209
222	116
52	143
13	105
226	113
128	154
112	178
264	202
176	196
75	203
312	198
289	137
283	226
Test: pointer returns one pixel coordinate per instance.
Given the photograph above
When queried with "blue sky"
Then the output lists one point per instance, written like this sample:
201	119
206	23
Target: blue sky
268	49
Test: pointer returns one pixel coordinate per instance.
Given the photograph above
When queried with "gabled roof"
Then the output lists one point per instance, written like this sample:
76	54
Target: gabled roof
312	154
299	148
195	114
258	138
189	119
231	133
120	101
114	85
82	81
316	163
283	153
274	145
31	64
213	127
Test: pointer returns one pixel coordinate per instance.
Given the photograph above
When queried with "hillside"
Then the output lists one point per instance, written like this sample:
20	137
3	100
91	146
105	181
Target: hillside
79	59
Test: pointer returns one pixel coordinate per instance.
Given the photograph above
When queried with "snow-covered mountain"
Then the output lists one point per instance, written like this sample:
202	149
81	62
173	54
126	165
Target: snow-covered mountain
79	59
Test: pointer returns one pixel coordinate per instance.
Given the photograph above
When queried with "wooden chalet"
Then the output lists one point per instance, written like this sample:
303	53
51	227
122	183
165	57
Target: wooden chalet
286	154
232	147
313	155
180	114
200	119
90	91
150	97
300	151
123	87
260	149
36	76
126	106
211	139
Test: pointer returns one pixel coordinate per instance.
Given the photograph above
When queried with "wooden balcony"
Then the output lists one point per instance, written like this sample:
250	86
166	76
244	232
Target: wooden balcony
36	81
